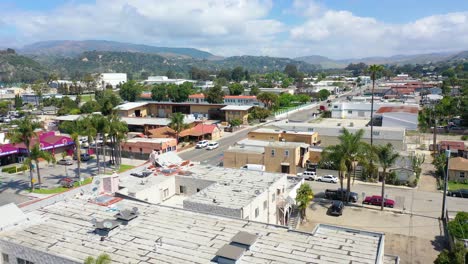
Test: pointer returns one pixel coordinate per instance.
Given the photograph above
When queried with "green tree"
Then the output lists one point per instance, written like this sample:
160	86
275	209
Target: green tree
236	89
117	133
254	90
302	98
235	122
323	94
4	107
159	92
90	82
386	156
348	153
270	100
101	259
286	99
24	132
35	155
90	107
177	123
260	113
130	91
458	227
215	95
18	102
237	74
291	71
108	100
458	255
303	197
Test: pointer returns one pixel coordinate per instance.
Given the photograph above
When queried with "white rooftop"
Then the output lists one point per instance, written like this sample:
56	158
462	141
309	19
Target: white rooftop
130	105
149	140
236	108
67	117
168	235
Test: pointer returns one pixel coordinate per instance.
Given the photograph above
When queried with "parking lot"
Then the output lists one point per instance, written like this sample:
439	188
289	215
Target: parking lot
409	236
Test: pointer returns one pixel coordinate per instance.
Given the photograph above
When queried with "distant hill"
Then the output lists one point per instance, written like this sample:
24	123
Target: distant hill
72	48
17	68
328	63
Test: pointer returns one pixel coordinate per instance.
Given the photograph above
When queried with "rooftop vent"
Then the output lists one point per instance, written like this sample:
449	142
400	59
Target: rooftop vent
244	240
127	215
229	254
351	124
339	124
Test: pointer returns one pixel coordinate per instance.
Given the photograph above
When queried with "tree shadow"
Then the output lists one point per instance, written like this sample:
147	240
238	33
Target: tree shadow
439	243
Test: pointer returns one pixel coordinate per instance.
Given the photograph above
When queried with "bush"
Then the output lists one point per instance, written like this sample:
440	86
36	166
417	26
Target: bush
464	137
14	169
458	227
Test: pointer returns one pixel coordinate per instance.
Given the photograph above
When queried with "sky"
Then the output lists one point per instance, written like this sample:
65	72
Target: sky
337	29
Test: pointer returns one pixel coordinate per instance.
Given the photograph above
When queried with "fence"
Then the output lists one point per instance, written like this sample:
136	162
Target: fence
284	112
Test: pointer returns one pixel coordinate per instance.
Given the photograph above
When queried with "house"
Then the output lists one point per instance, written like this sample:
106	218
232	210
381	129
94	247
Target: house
205	131
240	112
458	169
198	98
457	148
144	146
283	157
132	109
269	134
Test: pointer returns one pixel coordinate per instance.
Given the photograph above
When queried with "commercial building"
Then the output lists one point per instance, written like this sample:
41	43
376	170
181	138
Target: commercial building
269	134
147	145
399	116
240	112
166	80
112	79
330	129
70	230
228	99
362	110
279	157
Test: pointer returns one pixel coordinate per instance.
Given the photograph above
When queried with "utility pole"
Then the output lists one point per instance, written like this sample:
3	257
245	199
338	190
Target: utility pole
444	199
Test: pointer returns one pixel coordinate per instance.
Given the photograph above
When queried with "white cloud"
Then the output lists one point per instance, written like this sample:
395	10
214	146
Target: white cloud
237	27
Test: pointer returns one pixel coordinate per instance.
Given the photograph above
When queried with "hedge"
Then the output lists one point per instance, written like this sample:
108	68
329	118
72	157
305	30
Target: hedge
14	169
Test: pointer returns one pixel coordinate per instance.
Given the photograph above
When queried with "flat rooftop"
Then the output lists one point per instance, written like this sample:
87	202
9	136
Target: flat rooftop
169	235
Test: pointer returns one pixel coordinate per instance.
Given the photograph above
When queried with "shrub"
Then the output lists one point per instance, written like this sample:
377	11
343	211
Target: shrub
464	137
14	169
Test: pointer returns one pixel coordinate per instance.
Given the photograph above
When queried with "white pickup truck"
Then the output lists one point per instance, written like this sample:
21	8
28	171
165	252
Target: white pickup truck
308	175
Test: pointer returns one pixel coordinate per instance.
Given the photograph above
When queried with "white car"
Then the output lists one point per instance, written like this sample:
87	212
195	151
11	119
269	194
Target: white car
308	175
202	144
65	162
212	145
328	178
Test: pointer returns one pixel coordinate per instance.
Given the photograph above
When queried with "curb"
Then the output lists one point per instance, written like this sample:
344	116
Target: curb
386	185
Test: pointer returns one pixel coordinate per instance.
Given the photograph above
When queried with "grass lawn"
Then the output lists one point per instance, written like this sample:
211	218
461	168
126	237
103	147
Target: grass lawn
87	97
124	167
457	185
61	189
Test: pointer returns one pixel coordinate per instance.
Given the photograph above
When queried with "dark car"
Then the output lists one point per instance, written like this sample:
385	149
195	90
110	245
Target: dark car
463	193
67	183
83	157
377	200
337	194
336	209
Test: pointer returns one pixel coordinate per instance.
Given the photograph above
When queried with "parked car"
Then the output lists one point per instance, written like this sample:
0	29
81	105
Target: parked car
202	144
65	162
328	178
253	167
377	200
463	193
336	209
308	175
83	157
142	174
337	194
212	145
67	183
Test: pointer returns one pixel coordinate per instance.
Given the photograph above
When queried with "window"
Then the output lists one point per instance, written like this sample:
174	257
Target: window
23	261
182	189
376	133
462	174
273	196
350	112
278	191
166	193
335	106
257	212
286	153
265	205
141	150
6	258
130	149
198	189
272	152
310	129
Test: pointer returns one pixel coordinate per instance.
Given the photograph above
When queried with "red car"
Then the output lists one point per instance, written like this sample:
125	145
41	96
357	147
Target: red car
377	200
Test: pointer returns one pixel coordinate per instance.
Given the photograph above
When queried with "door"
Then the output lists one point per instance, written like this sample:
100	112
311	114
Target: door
285	169
137	113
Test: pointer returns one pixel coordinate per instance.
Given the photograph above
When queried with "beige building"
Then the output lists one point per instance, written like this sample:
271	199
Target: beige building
458	169
240	112
269	134
283	157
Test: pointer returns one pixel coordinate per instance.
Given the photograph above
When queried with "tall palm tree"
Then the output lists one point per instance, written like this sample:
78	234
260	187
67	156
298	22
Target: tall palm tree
177	123
101	259
76	138
24	132
347	154
117	133
374	70
386	157
35	155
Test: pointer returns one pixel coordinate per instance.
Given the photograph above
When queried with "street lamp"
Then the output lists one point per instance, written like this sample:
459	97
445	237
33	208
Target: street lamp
444	199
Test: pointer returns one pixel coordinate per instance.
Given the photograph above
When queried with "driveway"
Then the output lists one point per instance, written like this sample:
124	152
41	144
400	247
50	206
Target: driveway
415	238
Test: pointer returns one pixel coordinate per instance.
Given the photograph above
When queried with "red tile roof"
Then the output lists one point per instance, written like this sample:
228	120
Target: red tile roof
162	132
398	109
240	97
199	95
453	145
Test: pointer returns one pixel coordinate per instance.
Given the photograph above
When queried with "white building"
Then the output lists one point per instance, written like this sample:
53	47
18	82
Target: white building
112	79
204	85
362	110
165	79
399	116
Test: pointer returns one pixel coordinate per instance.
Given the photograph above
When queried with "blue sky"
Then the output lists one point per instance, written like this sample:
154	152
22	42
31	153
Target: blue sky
287	28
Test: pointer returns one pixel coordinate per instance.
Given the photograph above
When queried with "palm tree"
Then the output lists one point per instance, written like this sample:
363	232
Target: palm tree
101	259
24	133
76	138
386	157
374	70
117	133
303	197
346	155
177	123
35	154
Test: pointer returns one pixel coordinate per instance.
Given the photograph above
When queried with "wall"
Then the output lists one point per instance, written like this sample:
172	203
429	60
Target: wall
212	209
147	147
241	115
191	184
273	163
314	156
406	120
454	175
308	139
264	136
152	193
37	257
237	158
333	140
